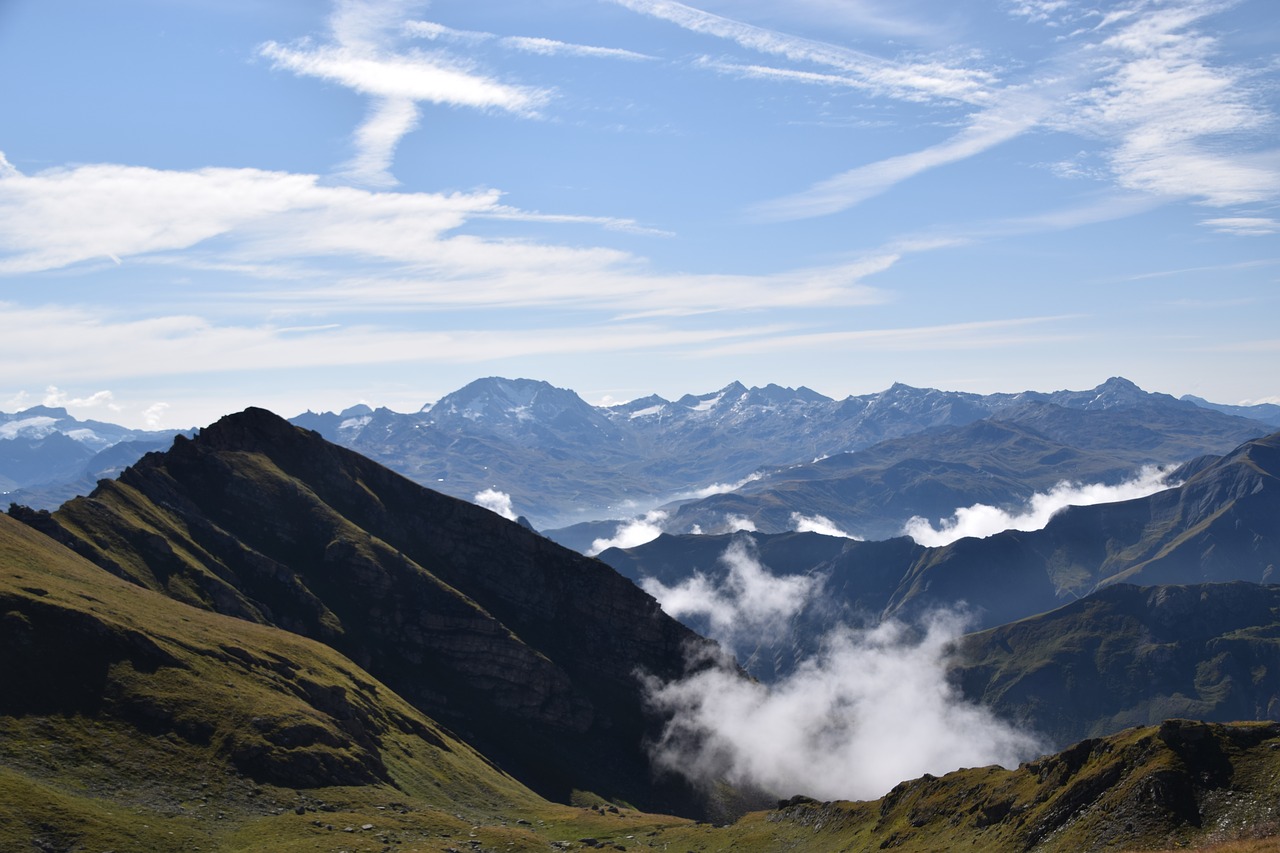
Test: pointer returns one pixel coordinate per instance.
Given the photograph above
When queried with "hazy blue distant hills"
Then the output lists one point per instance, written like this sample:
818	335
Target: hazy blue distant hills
50	456
563	460
1266	412
1024	448
1220	525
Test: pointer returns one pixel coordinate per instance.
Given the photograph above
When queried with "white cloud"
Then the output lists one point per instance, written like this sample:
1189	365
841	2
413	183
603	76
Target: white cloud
738	524
818	524
55	397
911	81
748	606
87	345
411	77
717	488
365	58
873	708
551	47
274	224
629	534
496	501
1245	226
1169	103
153	415
989	128
981	520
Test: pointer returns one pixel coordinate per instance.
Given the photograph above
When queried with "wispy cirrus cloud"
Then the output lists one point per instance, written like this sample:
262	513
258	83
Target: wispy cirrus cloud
986	130
91	344
528	44
1244	226
1168	102
917	80
364	56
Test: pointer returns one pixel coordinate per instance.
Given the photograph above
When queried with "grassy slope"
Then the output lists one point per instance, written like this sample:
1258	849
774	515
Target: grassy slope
132	722
1181	785
1133	656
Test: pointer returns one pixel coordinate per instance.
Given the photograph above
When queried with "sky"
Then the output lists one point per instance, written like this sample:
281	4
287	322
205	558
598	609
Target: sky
299	205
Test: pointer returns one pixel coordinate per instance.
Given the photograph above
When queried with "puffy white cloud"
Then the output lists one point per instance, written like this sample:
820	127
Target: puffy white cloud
982	520
874	707
496	501
629	534
747	605
818	524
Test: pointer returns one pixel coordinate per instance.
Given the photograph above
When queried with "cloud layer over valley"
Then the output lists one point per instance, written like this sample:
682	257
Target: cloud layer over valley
873	707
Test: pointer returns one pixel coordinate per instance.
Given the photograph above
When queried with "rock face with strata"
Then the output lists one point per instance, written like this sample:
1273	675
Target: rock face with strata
527	650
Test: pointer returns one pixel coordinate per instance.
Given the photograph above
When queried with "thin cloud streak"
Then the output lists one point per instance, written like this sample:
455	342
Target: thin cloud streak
987	130
910	81
90	346
990	334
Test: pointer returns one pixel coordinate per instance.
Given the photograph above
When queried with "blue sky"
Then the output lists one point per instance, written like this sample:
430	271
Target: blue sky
208	205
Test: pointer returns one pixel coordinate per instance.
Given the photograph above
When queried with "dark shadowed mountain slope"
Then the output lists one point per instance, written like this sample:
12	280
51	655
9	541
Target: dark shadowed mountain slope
1130	655
527	650
130	721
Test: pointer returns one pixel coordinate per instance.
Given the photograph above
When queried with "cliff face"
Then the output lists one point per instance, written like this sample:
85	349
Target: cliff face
527	650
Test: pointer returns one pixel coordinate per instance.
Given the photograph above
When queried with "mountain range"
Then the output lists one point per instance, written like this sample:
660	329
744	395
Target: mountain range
1218	525
257	639
562	460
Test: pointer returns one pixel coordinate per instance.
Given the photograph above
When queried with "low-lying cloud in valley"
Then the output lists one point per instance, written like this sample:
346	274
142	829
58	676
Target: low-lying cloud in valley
749	605
496	501
872	707
818	524
629	534
981	520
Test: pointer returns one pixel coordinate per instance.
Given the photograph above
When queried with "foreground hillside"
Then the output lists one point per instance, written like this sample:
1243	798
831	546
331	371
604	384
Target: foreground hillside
132	722
527	650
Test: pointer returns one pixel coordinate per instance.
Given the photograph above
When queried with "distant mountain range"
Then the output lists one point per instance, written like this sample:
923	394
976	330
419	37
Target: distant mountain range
47	456
1221	524
562	460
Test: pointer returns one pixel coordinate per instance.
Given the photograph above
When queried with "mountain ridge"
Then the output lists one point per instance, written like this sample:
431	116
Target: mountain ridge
451	605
